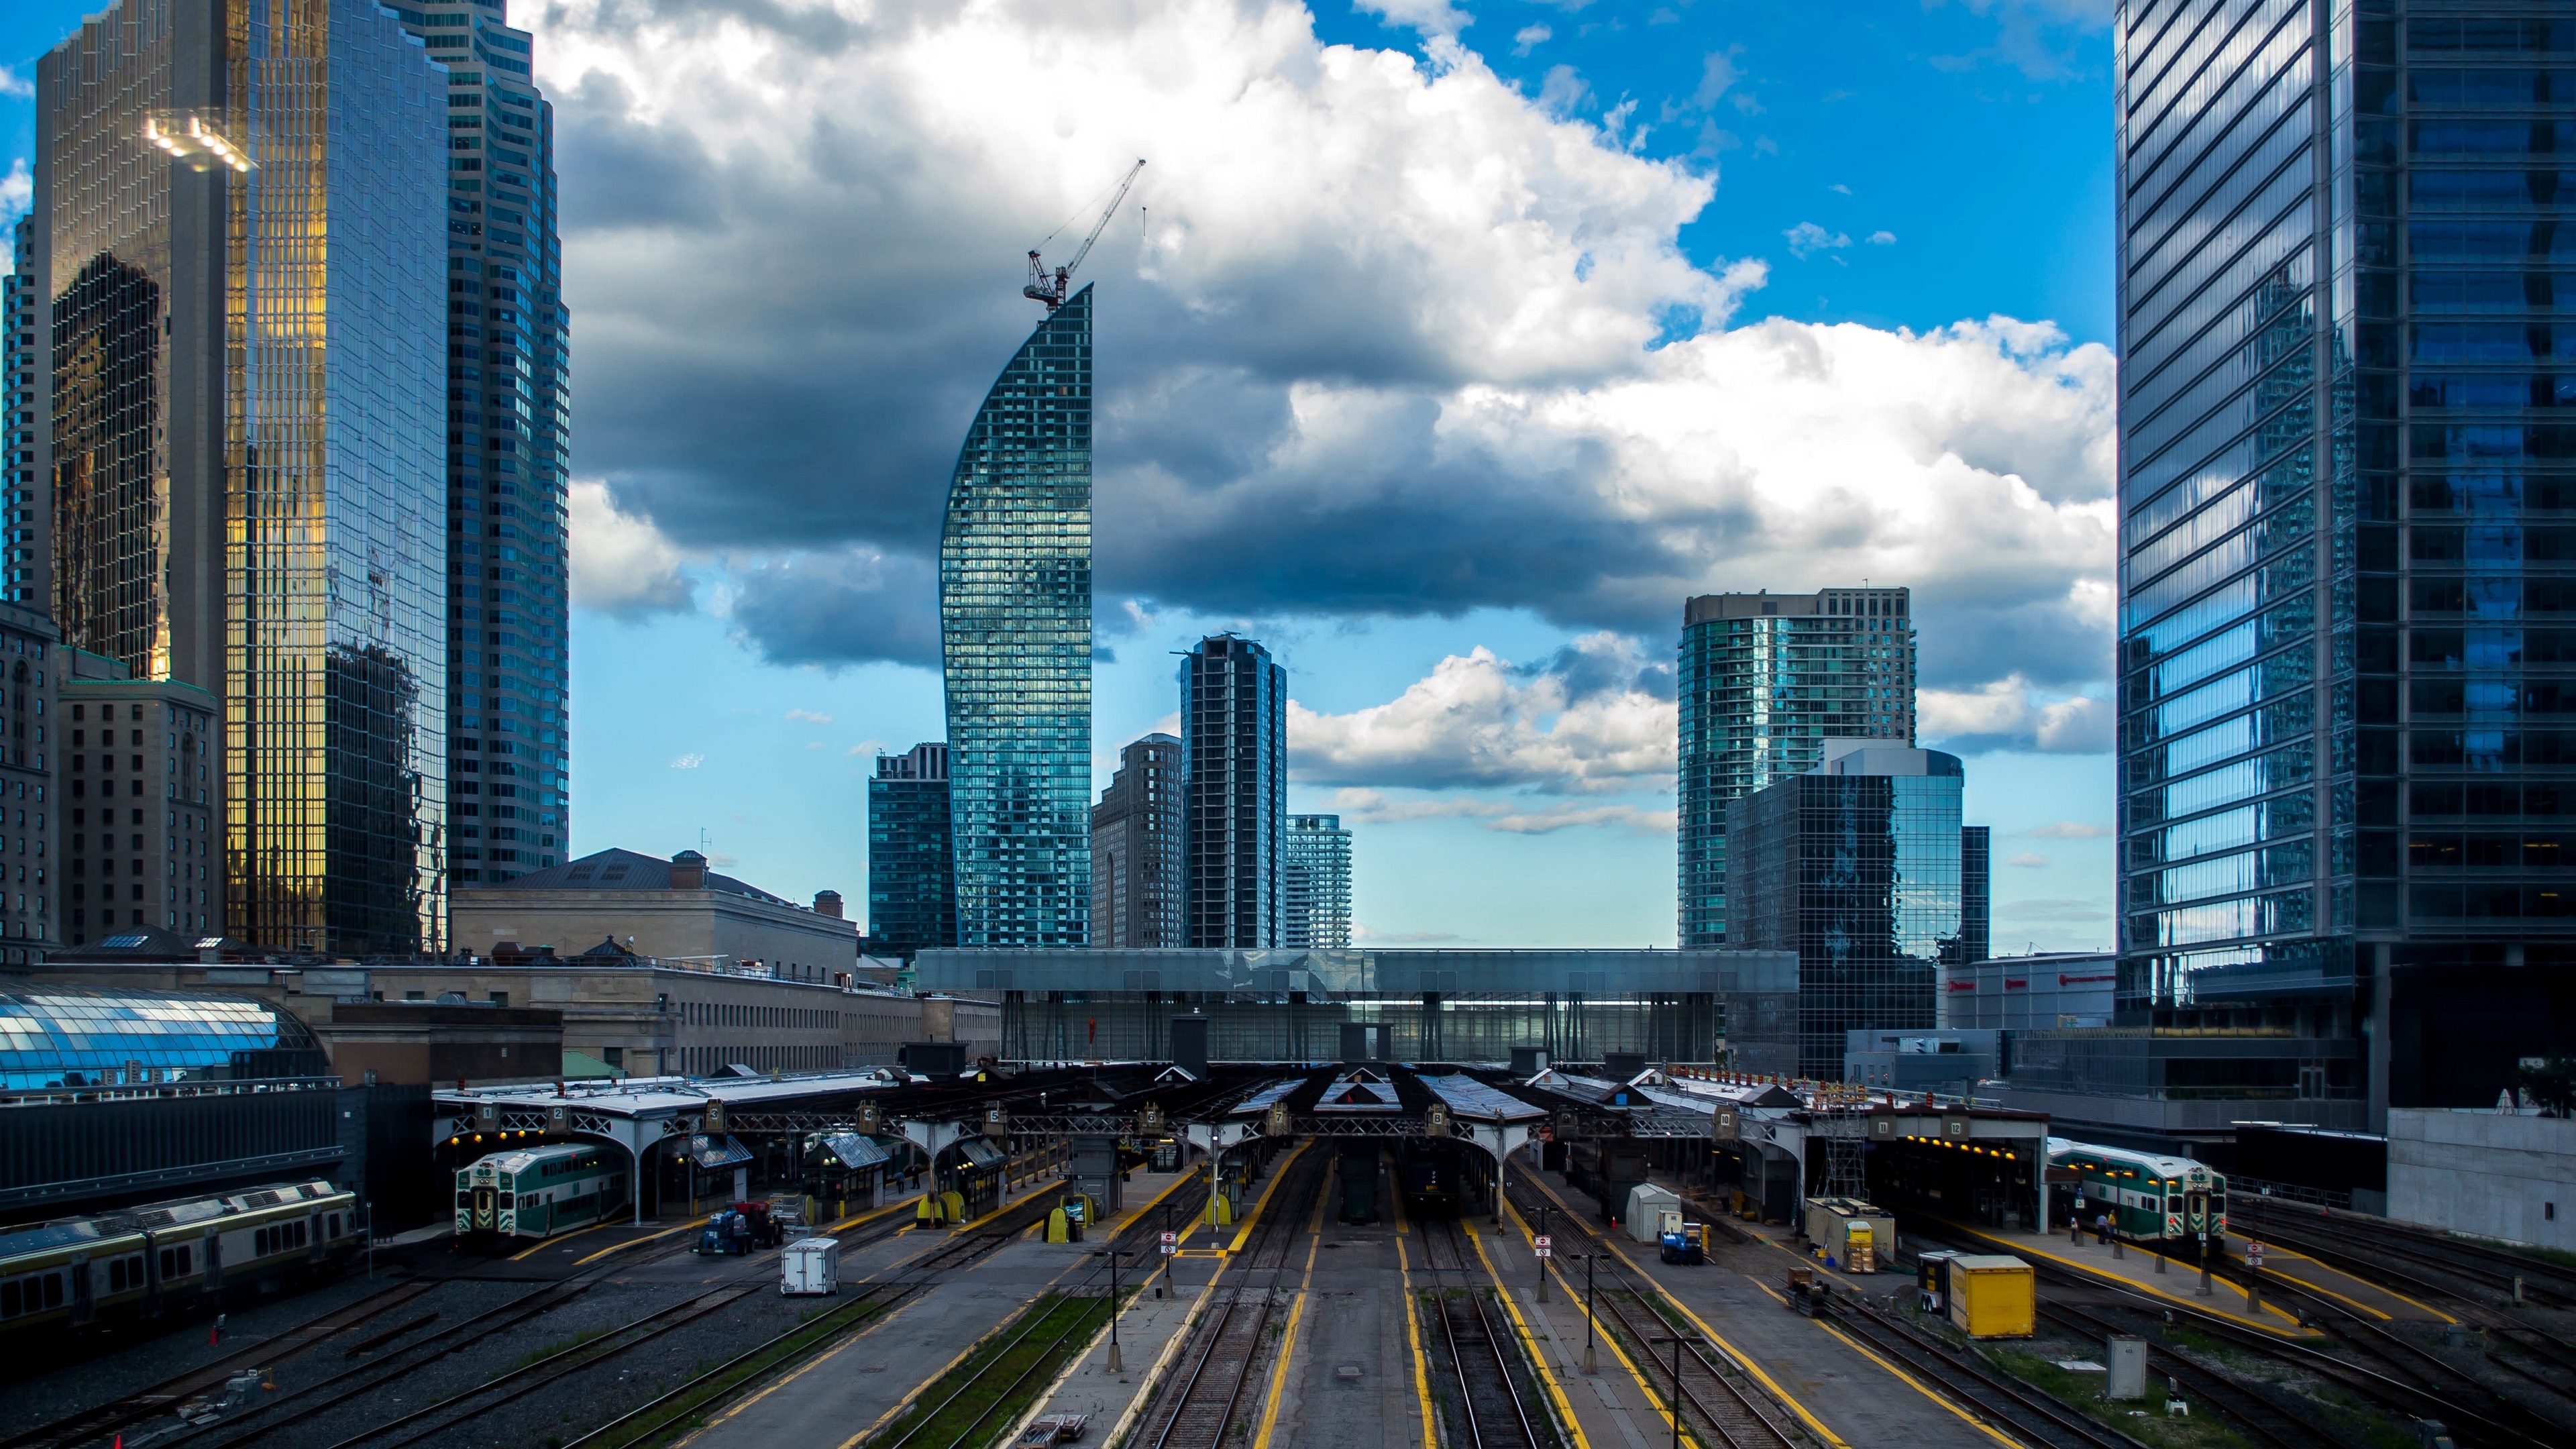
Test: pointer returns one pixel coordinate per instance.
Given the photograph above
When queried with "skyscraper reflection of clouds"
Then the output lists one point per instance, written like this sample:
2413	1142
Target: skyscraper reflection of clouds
2344	639
1015	645
239	248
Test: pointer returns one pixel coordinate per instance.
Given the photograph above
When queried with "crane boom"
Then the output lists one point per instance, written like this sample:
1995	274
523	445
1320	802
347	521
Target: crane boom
1052	288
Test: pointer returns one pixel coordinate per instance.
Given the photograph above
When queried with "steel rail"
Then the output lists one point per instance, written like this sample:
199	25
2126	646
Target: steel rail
2246	1410
2028	1411
1762	1426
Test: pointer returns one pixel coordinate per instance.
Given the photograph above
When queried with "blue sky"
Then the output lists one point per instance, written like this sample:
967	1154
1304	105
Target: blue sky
1360	399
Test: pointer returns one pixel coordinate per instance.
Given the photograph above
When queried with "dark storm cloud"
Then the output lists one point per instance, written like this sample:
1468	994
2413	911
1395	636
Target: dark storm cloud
832	609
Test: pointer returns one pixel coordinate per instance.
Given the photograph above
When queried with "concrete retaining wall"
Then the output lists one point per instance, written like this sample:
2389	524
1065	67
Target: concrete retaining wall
2485	1173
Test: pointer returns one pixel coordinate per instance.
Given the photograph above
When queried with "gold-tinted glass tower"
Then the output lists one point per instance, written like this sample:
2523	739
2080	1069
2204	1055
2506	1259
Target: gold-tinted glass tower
241	240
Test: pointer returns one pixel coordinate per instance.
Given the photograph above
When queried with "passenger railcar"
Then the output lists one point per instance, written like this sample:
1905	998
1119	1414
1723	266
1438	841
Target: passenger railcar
1430	1176
71	1271
537	1192
2149	1198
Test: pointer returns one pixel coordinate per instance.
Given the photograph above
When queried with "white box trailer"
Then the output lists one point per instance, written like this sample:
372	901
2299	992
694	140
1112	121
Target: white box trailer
810	1268
1652	1212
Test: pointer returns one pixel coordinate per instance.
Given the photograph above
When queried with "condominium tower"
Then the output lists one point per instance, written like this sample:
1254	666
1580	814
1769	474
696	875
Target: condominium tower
2345	643
1765	678
509	442
239	249
1234	791
912	868
1139	884
1316	908
1015	645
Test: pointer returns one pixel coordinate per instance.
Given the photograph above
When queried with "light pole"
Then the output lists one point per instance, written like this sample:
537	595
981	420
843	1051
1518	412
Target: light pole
1591	1315
1111	1253
1676	1341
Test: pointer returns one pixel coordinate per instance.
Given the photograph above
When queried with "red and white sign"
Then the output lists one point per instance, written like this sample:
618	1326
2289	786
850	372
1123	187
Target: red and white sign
1545	1245
2254	1255
1171	1244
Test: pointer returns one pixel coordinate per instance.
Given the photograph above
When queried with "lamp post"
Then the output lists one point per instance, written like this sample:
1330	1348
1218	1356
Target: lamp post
1676	1341
1591	1315
1111	1253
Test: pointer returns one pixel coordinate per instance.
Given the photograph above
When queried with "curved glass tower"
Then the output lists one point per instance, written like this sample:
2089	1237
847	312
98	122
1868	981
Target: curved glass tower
1015	646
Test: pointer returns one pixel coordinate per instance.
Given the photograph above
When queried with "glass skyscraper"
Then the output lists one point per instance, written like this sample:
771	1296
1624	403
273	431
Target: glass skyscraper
1015	646
912	873
1317	909
509	446
1234	791
2344	647
239	250
1765	679
1858	867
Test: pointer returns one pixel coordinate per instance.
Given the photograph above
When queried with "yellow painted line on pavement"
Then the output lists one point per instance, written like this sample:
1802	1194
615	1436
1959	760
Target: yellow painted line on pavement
1413	1341
2276	1250
631	1242
816	1362
1278	1175
1804	1414
595	1227
1980	1425
1538	1360
1296	1312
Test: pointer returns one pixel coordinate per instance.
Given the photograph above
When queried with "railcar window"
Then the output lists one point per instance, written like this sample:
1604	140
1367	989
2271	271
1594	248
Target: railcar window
9	1299
465	1199
53	1290
509	1199
116	1276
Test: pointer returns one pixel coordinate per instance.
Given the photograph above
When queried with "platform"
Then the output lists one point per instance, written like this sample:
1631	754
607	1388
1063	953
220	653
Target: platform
2134	1269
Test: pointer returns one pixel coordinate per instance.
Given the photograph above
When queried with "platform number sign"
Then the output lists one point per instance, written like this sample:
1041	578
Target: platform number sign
1150	1121
1544	1245
996	1120
1277	1126
867	1118
487	1116
1171	1244
715	1117
1435	1120
558	1118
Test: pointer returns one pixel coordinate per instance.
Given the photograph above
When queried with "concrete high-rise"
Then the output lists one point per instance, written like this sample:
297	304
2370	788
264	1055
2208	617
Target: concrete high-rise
912	867
509	443
1139	884
1765	679
1234	791
1317	909
2343	645
239	248
1856	866
147	859
1015	645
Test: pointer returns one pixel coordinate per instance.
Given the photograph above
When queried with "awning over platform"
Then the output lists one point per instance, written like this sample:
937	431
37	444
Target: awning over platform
710	1153
854	1150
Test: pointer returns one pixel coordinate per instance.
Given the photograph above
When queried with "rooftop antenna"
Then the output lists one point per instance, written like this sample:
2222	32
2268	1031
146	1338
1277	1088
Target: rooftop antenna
1052	289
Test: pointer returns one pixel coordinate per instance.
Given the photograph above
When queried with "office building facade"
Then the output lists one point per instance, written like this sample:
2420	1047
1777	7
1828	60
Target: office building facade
1765	678
1139	883
509	445
1856	866
142	837
1234	791
2344	643
1015	645
26	345
239	250
1317	910
912	869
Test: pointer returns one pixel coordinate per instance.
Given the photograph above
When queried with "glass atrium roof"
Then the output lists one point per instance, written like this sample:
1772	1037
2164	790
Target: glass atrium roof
71	1036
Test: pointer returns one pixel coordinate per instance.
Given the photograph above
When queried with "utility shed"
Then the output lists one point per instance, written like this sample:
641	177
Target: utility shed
1653	1210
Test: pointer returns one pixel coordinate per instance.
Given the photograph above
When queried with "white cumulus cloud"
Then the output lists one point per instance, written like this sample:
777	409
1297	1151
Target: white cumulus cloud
2005	714
1477	721
621	564
1806	239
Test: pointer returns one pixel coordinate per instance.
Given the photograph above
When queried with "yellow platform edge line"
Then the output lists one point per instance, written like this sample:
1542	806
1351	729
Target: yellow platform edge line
1751	1366
2269	1247
631	1242
1920	1387
1538	1360
2099	1276
1413	1342
545	1243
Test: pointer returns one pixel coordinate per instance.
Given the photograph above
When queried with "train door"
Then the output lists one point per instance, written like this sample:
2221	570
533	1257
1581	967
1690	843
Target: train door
84	1292
214	1250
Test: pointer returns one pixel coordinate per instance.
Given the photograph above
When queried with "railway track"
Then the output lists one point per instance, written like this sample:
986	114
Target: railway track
1493	1406
1207	1395
1718	1401
2402	1393
2346	1242
2246	1410
2031	1414
108	1419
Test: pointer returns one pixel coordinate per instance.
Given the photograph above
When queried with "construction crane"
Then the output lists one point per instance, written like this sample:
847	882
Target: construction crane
1051	289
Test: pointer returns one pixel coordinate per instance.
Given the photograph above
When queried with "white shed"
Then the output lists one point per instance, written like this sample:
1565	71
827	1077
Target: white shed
1653	1211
